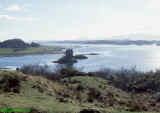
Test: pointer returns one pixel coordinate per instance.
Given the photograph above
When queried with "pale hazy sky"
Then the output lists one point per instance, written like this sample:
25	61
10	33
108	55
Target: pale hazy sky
77	19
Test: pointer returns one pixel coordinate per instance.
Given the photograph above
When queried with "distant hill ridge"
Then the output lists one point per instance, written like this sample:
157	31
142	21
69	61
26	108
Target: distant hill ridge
17	43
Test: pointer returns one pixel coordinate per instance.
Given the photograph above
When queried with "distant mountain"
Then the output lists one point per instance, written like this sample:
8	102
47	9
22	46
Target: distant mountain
17	43
111	42
131	39
136	37
123	42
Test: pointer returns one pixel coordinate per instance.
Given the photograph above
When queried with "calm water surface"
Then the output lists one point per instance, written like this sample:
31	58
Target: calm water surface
145	58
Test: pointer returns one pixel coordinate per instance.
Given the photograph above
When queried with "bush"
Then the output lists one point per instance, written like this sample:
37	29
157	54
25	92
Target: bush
60	71
80	87
127	80
10	84
35	70
132	80
137	107
93	94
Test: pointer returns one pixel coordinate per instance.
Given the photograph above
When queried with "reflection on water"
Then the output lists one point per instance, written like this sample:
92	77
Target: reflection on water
145	58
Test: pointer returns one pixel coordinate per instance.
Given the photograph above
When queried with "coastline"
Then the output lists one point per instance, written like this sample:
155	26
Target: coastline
10	52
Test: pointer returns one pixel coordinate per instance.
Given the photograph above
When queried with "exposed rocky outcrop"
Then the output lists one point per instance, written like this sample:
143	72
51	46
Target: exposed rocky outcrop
80	57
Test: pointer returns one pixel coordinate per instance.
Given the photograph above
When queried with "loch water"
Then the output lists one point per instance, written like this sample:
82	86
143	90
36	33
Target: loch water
144	58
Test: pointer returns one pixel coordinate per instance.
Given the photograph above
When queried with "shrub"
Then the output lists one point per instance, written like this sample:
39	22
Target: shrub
80	87
35	70
137	107
132	80
10	84
93	94
60	71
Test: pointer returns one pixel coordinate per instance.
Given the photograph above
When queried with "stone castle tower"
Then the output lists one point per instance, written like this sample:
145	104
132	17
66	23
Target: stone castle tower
69	53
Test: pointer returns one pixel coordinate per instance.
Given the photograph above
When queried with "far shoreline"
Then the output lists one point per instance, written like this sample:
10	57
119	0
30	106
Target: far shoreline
42	50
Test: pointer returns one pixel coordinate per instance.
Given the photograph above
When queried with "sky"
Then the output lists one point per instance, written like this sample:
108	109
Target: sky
77	19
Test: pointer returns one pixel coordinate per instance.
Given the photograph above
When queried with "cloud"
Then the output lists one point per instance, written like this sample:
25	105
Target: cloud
15	18
7	17
153	4
14	8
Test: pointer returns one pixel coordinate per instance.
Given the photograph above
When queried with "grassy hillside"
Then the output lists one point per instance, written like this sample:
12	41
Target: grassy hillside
75	94
31	50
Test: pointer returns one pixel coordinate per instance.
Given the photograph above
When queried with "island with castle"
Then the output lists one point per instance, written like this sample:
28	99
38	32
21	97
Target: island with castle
69	57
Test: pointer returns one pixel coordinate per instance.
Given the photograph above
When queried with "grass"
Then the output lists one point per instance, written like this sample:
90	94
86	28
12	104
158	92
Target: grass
40	102
31	50
6	51
33	98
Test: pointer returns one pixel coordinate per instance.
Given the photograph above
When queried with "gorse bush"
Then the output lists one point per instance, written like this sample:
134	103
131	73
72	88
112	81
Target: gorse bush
132	80
125	79
60	71
35	70
93	94
10	83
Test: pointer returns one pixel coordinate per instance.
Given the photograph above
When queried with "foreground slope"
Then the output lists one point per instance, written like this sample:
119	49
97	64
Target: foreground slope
75	94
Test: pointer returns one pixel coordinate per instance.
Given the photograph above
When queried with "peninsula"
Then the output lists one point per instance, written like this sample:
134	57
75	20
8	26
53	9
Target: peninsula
19	47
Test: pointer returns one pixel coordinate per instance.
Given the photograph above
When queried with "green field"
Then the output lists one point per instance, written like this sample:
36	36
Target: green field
31	50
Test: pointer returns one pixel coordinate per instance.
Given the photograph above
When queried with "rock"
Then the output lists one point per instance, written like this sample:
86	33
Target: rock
66	60
61	99
27	78
157	97
33	110
89	111
92	54
80	57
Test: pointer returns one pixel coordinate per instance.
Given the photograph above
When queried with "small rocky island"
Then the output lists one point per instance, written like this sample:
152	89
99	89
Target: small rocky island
69	58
